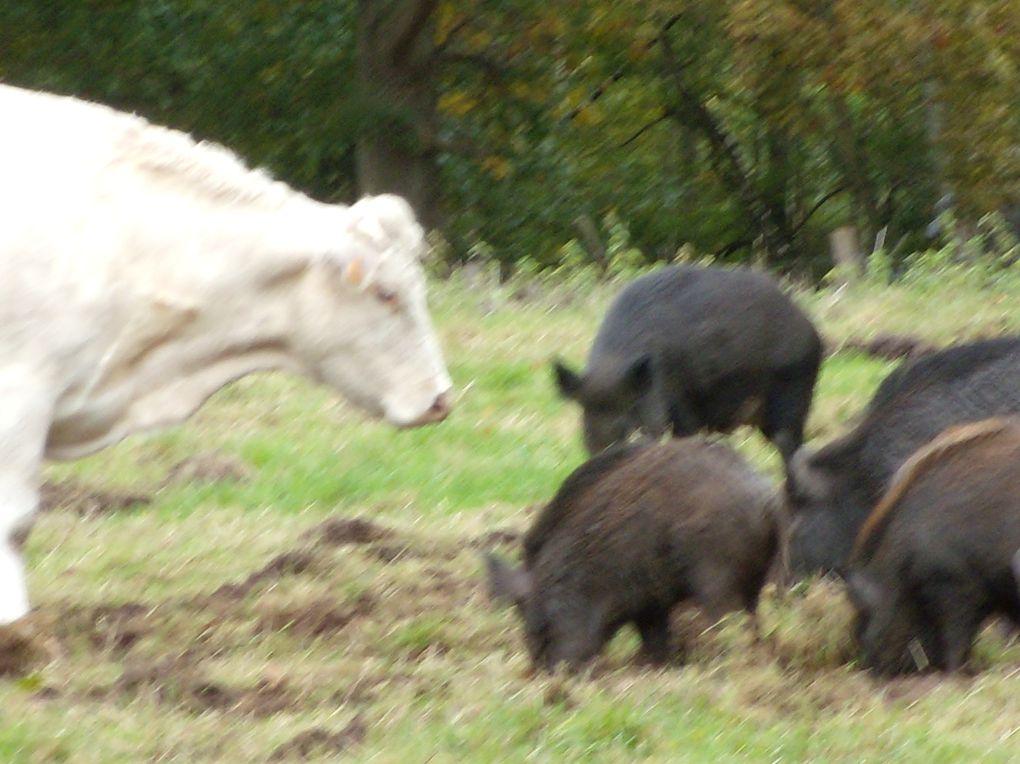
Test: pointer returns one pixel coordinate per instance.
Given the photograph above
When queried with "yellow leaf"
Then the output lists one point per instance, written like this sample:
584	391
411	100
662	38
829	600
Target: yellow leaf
457	102
496	166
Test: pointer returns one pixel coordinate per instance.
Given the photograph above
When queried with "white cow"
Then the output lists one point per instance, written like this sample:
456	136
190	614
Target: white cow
141	271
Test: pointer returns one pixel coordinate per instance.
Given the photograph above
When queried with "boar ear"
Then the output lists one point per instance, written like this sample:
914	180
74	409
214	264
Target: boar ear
807	477
568	381
507	584
862	591
639	375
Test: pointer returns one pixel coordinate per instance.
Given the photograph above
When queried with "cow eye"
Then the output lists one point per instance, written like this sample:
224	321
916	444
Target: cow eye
386	296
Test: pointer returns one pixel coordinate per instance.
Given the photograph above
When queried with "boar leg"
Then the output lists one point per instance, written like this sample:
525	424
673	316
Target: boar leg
958	632
786	409
576	641
653	625
949	605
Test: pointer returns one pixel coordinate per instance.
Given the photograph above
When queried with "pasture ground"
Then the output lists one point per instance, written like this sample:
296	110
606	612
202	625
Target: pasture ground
280	580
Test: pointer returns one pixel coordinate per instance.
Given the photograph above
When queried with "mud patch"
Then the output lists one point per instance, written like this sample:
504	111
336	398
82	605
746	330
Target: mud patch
320	618
21	650
911	689
73	496
890	347
348	530
295	562
209	468
498	537
320	743
177	682
108	627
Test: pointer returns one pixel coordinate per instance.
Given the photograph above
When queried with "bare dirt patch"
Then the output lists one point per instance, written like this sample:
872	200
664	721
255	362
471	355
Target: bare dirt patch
348	530
890	347
320	618
497	537
318	742
209	468
107	627
178	682
22	649
73	496
910	689
295	562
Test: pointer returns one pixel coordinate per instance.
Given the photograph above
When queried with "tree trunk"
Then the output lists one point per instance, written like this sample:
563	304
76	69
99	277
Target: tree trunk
395	45
851	159
692	112
846	253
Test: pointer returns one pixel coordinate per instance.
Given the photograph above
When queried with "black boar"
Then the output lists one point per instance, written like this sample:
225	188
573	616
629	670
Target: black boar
690	348
1016	569
832	490
632	532
936	557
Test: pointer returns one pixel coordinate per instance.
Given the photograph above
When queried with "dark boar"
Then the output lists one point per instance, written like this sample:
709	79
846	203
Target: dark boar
632	532
1016	569
689	348
832	490
936	557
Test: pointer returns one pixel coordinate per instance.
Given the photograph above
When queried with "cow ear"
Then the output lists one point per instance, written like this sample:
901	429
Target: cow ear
507	584
567	381
639	375
354	271
862	591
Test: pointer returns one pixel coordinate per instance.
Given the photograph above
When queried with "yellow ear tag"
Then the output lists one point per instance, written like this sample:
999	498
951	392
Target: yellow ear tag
355	272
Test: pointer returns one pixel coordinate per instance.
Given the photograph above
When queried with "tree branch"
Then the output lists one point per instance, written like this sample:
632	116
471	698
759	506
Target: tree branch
662	118
496	68
817	206
724	154
618	75
452	34
409	27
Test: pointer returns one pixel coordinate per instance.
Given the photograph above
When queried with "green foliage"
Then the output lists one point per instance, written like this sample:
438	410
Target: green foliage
272	80
748	129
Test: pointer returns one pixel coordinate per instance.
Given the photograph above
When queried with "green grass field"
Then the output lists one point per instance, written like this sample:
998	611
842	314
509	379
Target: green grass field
297	583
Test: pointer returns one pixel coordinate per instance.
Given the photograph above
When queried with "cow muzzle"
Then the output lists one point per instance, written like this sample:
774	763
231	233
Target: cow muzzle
437	412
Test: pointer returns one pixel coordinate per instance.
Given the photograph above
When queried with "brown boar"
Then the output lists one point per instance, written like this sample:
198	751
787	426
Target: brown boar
632	532
938	554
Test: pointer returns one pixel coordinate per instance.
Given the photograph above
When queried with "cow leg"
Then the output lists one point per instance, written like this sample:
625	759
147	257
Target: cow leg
16	517
23	426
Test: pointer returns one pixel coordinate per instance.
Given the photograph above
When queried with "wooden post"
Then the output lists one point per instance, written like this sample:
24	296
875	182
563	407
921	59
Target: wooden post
846	253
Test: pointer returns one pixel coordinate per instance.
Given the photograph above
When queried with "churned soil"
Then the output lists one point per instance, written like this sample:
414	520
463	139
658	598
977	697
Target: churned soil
73	496
319	742
173	652
891	347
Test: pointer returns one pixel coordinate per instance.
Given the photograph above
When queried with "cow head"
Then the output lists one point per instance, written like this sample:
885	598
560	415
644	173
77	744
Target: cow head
616	401
363	325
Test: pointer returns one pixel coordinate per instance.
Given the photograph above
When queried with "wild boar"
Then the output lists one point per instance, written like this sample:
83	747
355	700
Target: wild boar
938	554
832	490
690	348
632	532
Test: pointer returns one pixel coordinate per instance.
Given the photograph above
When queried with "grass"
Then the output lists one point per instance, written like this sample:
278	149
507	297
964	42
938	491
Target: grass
225	620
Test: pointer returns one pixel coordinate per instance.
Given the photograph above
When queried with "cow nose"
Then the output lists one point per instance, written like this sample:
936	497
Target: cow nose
438	411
